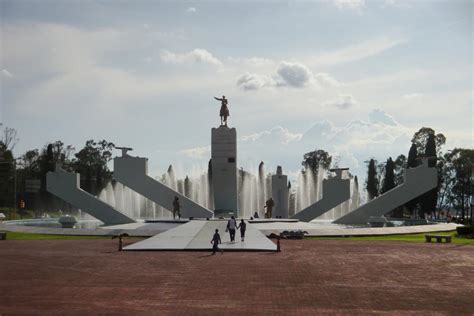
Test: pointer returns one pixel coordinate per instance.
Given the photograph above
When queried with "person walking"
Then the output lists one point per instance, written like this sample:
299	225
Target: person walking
231	226
242	226
215	241
176	208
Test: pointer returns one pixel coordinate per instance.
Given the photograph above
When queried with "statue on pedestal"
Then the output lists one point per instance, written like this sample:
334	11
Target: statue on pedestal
224	112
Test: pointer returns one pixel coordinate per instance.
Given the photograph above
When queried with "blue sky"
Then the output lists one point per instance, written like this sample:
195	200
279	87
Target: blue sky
356	78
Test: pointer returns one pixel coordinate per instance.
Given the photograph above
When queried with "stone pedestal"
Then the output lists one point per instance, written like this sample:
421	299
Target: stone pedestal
224	171
280	194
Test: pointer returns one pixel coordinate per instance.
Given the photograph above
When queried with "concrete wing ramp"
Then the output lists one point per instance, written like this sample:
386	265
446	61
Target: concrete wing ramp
335	192
417	181
196	235
66	186
132	172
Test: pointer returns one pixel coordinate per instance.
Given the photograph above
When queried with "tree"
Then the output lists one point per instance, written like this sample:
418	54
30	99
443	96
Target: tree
429	199
315	159
7	178
9	139
399	166
91	162
388	182
412	162
462	161
372	183
420	139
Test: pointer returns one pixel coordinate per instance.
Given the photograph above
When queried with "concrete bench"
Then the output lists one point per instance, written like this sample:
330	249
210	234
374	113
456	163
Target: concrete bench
3	235
439	238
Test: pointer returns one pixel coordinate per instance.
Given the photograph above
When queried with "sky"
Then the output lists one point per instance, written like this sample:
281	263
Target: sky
355	78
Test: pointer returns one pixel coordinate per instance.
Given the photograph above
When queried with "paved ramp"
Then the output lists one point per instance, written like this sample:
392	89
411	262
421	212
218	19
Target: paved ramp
132	172
65	185
196	235
417	181
335	192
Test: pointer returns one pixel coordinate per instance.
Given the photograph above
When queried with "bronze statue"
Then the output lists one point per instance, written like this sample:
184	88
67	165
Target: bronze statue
224	112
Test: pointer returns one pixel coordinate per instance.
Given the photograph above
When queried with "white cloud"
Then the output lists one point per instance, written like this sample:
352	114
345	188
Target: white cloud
344	102
279	134
326	80
294	74
198	56
191	10
411	96
378	116
379	137
248	81
251	61
349	4
203	152
6	73
354	52
288	74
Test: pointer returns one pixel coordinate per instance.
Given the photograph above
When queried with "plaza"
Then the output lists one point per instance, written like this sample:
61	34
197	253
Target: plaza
308	277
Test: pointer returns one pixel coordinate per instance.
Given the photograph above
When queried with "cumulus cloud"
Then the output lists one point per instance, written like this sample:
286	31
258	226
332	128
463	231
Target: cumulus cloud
198	55
378	116
288	74
326	80
248	81
349	4
191	10
277	134
294	74
344	102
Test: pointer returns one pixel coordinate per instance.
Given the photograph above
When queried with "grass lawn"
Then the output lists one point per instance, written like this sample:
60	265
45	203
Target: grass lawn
408	237
30	236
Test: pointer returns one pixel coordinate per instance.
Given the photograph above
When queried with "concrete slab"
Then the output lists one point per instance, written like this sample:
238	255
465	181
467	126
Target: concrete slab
196	235
327	229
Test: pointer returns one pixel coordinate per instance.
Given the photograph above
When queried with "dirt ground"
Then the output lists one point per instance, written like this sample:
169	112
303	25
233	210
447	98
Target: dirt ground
81	277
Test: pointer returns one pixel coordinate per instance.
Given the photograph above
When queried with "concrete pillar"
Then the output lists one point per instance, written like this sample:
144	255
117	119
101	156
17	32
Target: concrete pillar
280	193
224	170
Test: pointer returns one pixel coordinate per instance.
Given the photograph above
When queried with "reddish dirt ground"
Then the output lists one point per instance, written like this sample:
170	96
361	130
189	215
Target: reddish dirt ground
309	277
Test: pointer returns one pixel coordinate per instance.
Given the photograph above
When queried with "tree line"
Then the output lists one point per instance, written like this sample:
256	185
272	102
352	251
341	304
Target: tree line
452	194
91	162
455	177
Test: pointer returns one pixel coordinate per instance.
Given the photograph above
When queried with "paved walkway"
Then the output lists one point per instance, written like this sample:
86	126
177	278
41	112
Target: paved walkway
197	234
309	277
265	226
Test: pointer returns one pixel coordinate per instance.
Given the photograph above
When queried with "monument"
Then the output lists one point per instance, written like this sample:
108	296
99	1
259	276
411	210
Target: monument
336	190
280	194
224	166
222	182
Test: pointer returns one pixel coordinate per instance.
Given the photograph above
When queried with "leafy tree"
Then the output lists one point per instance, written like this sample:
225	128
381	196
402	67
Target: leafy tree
91	162
420	139
399	166
7	177
315	159
372	182
462	161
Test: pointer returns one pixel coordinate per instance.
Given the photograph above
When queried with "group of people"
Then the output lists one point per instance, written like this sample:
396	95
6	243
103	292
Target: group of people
231	228
232	225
